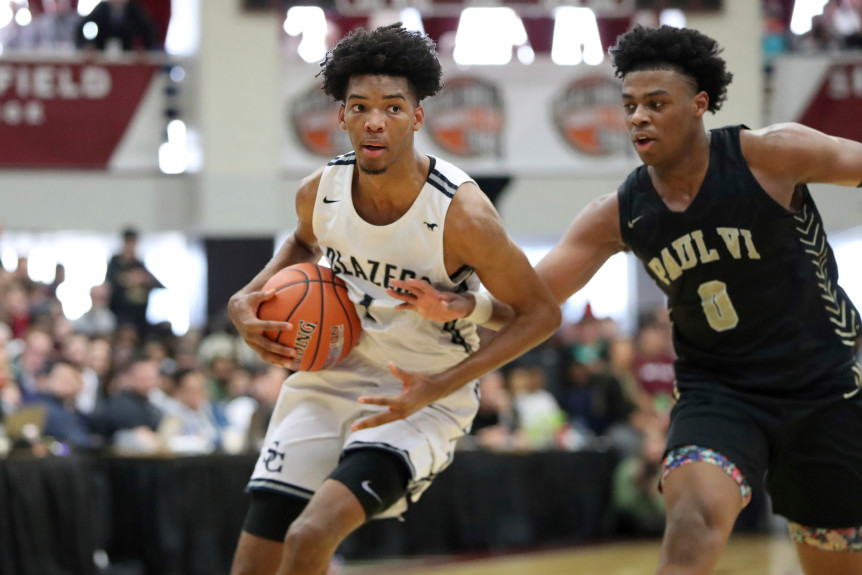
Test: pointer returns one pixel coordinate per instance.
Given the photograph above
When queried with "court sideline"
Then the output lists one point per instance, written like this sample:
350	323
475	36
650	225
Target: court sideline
745	555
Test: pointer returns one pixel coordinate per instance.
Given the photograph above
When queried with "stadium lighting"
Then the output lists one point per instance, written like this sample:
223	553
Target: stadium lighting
672	17
803	12
23	17
310	22
576	37
86	6
183	30
486	36
6	14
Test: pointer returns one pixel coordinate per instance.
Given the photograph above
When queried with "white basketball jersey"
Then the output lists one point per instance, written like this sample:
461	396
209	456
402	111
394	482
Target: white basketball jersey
367	257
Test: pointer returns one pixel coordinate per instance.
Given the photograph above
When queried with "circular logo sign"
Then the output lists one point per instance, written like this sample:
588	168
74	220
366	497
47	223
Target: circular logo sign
466	118
314	117
589	116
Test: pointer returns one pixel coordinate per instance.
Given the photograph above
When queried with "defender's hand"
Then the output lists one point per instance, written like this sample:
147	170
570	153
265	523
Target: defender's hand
430	303
243	312
417	391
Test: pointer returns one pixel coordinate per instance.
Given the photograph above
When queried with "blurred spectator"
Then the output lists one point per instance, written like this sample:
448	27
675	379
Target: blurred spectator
538	414
131	283
219	372
198	422
121	23
238	407
15	36
15	308
54	29
33	359
842	18
266	387
99	320
654	366
10	395
58	389
635	499
97	362
124	345
22	275
495	425
49	291
593	400
75	349
774	40
821	37
129	419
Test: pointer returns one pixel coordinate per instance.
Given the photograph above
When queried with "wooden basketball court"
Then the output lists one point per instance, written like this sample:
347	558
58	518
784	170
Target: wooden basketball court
744	555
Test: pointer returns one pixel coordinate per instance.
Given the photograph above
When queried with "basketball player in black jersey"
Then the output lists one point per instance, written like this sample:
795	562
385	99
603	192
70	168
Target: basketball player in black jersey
768	389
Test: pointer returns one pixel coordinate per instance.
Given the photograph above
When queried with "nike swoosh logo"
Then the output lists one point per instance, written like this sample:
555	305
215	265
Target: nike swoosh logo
366	485
328	201
631	222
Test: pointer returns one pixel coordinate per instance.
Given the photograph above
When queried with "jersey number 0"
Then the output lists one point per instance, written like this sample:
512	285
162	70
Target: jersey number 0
717	306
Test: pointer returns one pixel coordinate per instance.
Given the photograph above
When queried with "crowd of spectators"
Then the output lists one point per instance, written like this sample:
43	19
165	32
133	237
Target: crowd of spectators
55	26
838	27
111	382
108	384
590	387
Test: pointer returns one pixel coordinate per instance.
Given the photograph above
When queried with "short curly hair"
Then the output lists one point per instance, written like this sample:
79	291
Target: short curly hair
683	50
387	50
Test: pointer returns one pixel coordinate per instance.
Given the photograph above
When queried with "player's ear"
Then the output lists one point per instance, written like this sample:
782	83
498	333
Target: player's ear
341	123
418	118
700	103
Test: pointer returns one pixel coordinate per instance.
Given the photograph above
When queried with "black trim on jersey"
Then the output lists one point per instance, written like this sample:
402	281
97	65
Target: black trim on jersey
343	160
276	486
458	339
439	181
461	274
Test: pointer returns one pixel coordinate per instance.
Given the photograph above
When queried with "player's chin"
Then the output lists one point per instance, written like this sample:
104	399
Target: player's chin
372	169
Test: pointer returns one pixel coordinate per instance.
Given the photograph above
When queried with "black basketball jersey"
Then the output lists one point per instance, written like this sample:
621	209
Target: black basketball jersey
752	288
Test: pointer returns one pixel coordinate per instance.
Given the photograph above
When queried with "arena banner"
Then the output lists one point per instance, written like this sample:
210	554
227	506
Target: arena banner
516	119
822	92
57	114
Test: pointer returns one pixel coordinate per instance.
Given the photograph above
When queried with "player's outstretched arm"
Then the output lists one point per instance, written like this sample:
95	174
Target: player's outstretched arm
590	240
442	306
300	246
474	236
784	155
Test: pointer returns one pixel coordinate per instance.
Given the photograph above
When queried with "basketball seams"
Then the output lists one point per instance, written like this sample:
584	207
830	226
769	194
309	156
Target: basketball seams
316	344
320	317
348	312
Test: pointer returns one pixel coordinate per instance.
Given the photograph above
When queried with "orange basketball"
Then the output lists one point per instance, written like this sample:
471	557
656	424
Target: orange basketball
325	323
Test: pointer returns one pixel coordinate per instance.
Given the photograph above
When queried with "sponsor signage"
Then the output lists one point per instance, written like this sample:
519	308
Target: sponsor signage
489	120
67	115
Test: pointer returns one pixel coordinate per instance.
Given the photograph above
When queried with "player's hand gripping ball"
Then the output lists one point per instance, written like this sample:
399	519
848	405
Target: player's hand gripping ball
325	323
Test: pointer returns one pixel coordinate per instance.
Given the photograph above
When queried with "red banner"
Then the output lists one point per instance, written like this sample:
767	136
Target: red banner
64	114
836	104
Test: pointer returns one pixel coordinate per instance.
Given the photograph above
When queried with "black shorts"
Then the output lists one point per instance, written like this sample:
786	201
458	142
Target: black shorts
808	456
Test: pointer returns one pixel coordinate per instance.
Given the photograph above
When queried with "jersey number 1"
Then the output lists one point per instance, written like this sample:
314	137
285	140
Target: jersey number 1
717	306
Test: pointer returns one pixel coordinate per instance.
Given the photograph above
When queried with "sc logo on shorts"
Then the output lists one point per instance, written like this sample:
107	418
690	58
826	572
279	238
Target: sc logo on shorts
274	459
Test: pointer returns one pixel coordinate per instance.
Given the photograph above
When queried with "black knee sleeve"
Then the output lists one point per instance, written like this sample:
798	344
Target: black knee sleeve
376	477
270	514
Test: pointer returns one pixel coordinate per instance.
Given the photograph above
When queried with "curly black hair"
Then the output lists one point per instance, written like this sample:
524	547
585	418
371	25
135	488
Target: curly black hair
387	50
683	50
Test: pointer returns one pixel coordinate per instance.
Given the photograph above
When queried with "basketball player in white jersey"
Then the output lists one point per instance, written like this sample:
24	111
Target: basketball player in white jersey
362	439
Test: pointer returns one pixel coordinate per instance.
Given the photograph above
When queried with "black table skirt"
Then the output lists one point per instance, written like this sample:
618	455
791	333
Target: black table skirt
183	516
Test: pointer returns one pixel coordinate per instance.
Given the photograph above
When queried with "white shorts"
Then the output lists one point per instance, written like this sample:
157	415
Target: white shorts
310	429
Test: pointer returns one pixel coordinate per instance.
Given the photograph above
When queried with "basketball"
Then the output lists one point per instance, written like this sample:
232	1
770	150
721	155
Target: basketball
325	323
